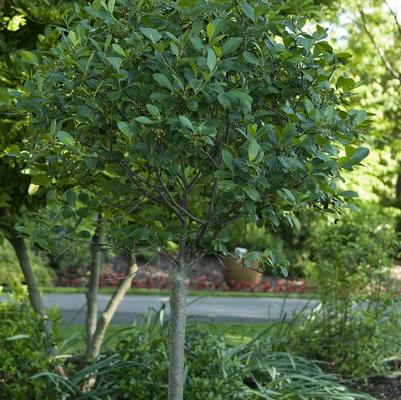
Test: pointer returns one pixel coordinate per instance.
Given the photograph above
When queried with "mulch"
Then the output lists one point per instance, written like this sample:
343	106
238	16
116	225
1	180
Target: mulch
380	387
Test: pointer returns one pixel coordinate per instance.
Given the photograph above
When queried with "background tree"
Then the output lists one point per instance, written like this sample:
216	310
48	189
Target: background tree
24	26
209	112
371	30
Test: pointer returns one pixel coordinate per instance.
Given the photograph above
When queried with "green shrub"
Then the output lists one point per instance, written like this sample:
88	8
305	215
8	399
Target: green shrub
22	352
10	273
357	324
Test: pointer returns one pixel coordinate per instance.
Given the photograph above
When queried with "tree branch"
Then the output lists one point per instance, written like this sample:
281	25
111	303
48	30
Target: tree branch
387	64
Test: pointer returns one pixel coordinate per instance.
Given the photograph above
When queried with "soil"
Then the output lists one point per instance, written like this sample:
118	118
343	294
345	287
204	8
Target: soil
381	387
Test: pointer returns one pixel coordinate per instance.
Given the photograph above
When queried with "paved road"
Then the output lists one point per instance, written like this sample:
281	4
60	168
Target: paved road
202	309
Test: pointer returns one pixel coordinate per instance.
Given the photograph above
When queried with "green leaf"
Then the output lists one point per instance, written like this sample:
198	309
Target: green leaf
118	49
239	94
344	55
253	150
231	45
196	42
210	30
349	194
287	195
224	100
144	120
124	128
211	59
185	122
227	185
250	57
32	189
345	83
152	34
141	233
228	159
65	138
309	106
17	337
110	5
153	110
162	80
249	11
84	111
361	116
252	193
115	62
4	96
354	156
29	57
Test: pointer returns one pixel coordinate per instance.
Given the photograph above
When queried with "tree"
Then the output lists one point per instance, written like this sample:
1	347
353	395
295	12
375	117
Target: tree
372	29
23	26
27	27
206	112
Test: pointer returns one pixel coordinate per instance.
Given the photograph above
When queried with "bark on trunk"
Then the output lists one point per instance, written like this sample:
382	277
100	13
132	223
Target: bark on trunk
94	349
178	304
93	285
35	297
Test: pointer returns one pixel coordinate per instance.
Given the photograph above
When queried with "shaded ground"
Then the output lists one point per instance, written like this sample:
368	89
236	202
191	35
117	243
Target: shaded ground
381	388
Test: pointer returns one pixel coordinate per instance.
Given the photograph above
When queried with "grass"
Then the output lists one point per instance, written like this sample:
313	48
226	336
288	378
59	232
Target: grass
197	293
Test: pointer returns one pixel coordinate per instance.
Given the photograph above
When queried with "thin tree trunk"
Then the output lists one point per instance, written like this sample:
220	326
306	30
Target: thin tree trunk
35	297
93	285
398	185
178	304
94	349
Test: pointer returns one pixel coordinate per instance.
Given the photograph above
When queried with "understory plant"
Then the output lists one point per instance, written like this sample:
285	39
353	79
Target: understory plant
12	278
23	350
215	369
357	323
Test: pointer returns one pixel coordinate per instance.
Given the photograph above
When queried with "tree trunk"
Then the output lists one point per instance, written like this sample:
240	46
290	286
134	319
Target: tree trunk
178	304
35	297
94	349
93	285
398	186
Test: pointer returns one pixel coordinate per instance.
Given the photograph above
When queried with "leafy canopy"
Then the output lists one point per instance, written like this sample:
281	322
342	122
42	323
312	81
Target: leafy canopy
196	112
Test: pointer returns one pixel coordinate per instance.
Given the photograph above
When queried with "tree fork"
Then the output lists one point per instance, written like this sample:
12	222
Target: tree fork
93	349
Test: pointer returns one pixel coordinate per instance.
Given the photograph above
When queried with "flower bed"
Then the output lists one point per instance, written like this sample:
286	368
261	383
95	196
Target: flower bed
268	284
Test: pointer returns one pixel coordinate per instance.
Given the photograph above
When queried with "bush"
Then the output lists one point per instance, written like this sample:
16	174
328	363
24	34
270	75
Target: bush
10	273
356	326
22	352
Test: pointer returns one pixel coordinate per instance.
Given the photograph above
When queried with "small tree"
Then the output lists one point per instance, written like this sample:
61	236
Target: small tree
209	111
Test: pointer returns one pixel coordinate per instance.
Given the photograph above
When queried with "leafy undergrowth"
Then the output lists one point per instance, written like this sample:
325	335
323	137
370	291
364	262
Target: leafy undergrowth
221	365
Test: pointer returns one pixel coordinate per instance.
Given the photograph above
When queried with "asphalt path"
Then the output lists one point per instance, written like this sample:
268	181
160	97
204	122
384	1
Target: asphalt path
201	309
